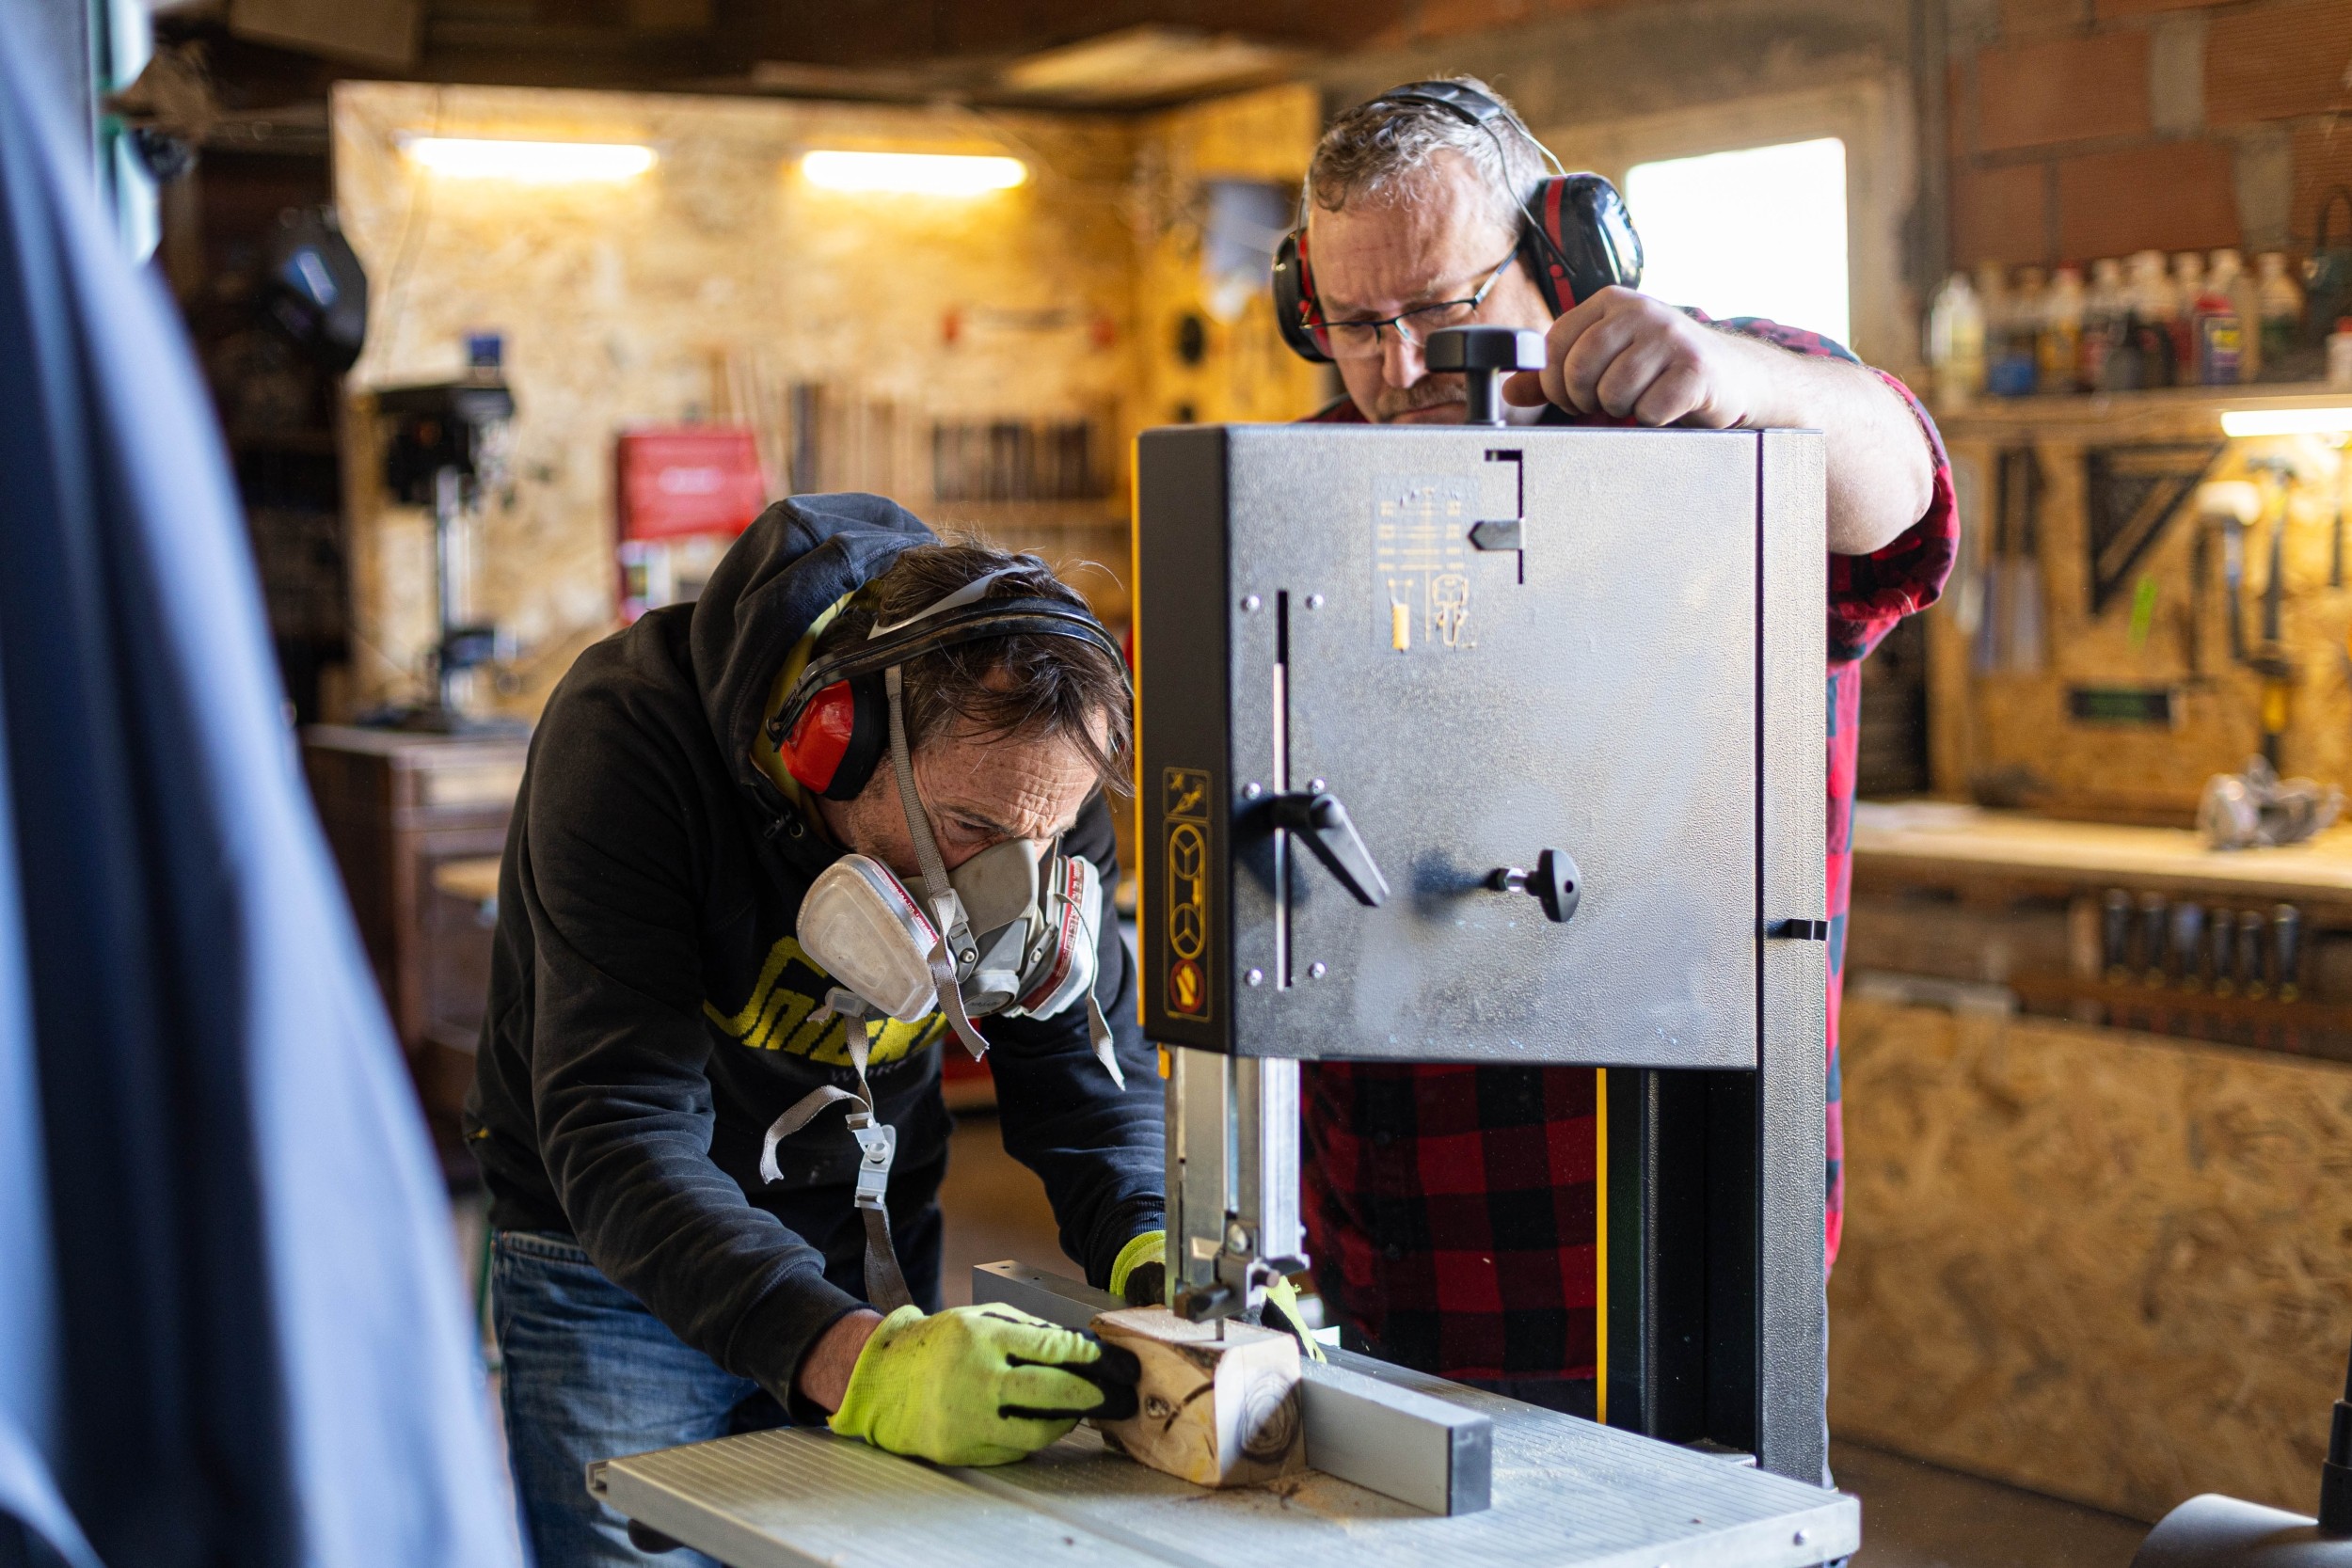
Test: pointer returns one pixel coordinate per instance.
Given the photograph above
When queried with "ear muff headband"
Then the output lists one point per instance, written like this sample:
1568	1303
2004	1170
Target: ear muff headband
813	711
1577	238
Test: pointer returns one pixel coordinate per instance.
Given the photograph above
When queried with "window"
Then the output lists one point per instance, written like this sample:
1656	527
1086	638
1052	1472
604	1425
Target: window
1761	231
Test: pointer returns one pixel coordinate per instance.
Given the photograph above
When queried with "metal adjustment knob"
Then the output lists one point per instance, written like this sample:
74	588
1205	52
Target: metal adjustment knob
1482	354
1554	883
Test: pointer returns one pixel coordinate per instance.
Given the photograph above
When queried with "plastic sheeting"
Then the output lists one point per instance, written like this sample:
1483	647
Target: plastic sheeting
231	1329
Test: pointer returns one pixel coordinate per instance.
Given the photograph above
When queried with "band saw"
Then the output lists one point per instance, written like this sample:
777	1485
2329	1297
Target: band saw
1477	744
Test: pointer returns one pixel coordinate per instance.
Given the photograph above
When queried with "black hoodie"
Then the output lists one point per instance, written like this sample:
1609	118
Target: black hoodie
646	1000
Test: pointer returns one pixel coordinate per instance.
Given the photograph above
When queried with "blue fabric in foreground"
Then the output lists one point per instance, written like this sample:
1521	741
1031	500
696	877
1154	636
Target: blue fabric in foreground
232	1330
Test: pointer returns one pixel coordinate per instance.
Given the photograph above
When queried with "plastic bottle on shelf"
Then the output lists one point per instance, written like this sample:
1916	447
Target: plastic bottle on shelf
2280	309
2104	313
1956	342
2145	356
2217	331
2188	283
1993	297
2340	355
2014	354
2061	330
2226	275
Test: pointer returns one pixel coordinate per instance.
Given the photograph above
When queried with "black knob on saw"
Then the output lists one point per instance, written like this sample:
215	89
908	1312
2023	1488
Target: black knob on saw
1482	354
1553	882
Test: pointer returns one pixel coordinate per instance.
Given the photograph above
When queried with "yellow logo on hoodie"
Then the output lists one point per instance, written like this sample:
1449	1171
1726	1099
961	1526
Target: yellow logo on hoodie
789	989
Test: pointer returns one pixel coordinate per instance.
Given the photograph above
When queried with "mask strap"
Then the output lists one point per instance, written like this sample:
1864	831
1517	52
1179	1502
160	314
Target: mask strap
1099	1033
957	953
1098	1027
877	1145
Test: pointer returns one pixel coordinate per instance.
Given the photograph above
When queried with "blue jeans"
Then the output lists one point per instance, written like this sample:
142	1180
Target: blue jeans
590	1374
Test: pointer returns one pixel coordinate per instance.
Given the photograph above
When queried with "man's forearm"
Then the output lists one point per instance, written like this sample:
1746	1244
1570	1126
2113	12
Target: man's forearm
1880	474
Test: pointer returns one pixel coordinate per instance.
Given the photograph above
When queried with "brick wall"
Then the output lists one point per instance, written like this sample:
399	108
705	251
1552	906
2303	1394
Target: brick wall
2089	128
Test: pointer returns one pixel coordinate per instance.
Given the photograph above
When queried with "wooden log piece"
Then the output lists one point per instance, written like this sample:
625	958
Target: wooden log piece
1218	1403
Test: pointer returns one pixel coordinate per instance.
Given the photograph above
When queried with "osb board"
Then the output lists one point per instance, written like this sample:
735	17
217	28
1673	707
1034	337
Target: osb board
663	298
1246	372
2094	1263
1989	725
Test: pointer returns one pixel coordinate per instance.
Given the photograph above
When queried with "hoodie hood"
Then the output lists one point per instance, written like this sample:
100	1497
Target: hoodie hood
793	563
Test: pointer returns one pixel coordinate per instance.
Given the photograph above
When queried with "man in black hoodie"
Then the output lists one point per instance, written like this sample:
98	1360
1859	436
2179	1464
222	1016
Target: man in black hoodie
678	1253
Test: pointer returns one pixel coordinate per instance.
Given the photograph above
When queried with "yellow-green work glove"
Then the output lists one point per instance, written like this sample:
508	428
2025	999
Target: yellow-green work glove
979	1385
1140	1272
1281	1311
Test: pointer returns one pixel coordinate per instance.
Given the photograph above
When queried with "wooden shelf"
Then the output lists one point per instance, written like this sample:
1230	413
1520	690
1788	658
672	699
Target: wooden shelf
2169	408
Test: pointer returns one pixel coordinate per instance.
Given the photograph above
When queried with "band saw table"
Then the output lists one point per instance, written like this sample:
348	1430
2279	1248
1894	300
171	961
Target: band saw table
1477	744
1565	1493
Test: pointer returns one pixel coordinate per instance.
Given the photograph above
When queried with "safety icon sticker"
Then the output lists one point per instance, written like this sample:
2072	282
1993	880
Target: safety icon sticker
1184	807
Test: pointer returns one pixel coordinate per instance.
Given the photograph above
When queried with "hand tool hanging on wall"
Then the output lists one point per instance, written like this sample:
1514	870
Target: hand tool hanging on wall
2192	613
2130	496
2335	526
2020	573
1993	612
2229	505
2270	660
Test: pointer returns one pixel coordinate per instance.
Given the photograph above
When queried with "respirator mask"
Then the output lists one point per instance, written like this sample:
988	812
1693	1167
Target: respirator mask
1035	916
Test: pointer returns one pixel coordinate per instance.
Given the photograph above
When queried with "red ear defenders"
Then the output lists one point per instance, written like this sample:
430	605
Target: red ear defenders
833	726
1577	239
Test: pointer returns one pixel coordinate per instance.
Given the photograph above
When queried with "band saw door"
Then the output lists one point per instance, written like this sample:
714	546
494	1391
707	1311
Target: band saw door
1483	644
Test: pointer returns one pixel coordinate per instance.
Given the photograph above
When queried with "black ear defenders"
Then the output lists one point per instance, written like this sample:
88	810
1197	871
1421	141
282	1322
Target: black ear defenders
833	726
1577	238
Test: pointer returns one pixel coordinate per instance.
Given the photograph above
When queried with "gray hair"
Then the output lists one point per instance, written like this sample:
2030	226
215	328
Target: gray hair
1378	151
1026	685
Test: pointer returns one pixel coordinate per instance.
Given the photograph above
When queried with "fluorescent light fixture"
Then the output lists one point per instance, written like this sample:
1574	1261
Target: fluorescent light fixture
2286	421
918	173
533	163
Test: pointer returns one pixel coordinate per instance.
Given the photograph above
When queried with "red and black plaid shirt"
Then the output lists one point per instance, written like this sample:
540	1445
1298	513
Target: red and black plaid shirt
1451	1210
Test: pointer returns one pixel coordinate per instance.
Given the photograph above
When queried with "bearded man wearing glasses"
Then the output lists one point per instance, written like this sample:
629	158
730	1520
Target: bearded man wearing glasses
1450	1209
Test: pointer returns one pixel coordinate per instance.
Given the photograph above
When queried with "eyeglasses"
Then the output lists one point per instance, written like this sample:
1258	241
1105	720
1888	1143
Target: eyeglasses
1362	341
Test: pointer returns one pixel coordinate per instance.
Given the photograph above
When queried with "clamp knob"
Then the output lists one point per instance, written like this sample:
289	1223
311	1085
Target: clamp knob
1553	882
1482	354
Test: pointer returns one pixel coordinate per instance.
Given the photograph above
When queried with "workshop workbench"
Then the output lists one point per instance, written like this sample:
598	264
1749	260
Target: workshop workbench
1932	843
2094	1220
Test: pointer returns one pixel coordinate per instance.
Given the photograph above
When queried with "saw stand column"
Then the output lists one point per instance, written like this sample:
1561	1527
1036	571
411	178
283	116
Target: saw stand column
1233	1181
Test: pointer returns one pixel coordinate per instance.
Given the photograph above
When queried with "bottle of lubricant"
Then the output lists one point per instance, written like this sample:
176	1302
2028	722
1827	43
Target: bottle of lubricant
2061	330
2217	332
2227	273
2103	314
1956	343
2280	307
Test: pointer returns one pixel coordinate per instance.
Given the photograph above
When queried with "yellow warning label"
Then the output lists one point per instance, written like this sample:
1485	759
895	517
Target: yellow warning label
1185	806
